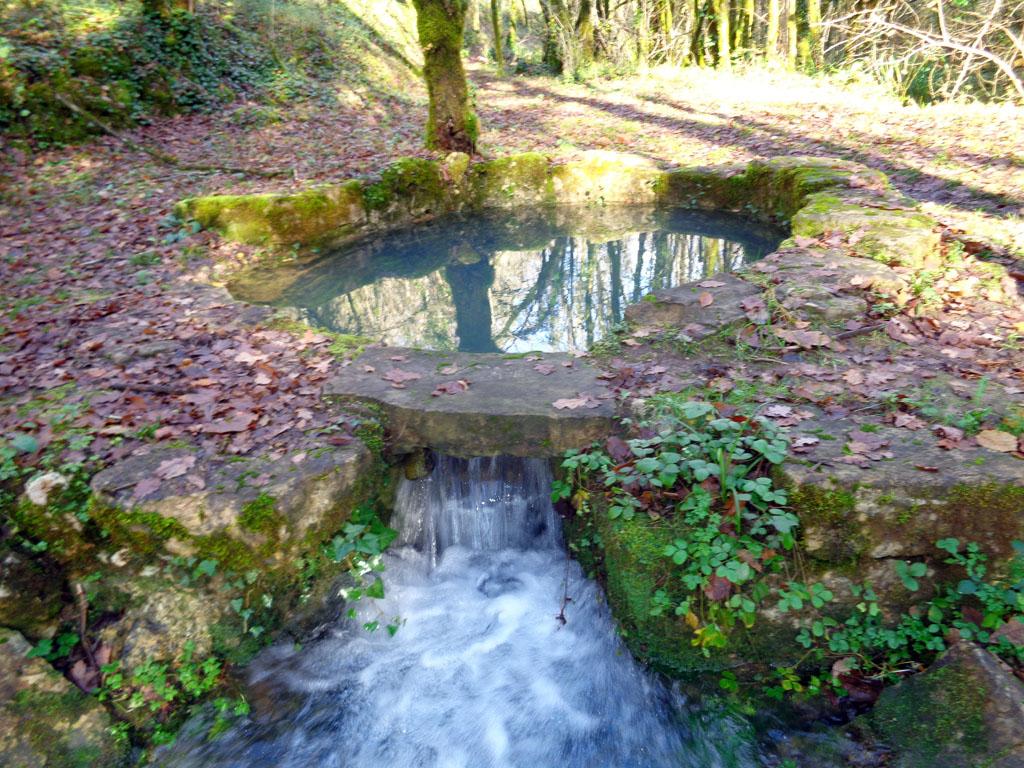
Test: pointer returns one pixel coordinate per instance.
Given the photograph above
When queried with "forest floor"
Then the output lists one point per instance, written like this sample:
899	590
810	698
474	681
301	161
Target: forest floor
102	344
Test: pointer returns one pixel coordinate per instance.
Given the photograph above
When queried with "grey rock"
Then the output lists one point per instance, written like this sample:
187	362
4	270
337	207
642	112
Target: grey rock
681	306
508	407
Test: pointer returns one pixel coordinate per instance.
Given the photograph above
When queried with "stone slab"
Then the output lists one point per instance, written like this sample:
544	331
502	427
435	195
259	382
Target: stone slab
507	408
687	305
900	505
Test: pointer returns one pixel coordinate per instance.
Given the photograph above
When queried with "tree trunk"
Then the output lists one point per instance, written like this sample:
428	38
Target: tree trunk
813	53
747	35
643	33
499	54
771	40
554	13
722	20
791	49
585	33
451	123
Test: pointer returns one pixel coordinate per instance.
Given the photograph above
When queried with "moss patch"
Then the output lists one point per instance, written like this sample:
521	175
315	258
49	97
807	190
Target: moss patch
261	516
934	719
499	183
829	526
304	217
412	183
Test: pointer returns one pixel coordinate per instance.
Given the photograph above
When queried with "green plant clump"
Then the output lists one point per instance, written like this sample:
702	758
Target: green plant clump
708	474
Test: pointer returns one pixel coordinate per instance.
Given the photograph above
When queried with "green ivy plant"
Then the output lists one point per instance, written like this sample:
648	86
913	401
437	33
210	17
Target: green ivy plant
151	692
872	645
710	471
359	548
709	474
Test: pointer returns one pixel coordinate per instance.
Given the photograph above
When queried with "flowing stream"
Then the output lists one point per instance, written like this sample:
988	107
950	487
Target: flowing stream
506	655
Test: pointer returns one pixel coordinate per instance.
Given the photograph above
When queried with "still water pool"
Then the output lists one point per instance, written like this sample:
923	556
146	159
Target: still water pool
550	280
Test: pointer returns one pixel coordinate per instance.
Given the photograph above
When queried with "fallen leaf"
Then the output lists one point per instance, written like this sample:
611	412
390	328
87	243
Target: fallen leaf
177	467
718	588
853	377
544	368
398	377
997	440
145	487
238	421
451	388
705	299
572	403
805	339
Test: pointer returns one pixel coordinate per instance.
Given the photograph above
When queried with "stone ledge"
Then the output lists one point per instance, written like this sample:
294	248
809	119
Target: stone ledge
507	408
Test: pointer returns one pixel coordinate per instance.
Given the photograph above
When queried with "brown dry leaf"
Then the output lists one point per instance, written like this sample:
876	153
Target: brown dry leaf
177	467
451	388
803	443
710	283
718	588
449	370
805	339
398	377
705	299
756	310
145	487
544	368
908	421
997	440
238	421
853	377
572	403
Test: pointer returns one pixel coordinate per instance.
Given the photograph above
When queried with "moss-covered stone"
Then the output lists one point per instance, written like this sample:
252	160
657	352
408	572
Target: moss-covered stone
261	516
627	556
896	237
45	721
828	522
819	195
605	177
507	181
30	593
413	185
964	712
303	217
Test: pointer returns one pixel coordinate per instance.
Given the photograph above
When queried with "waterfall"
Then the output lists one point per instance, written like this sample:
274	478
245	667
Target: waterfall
482	504
506	656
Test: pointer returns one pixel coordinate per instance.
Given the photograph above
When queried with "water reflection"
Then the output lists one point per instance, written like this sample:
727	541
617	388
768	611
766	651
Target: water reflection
547	281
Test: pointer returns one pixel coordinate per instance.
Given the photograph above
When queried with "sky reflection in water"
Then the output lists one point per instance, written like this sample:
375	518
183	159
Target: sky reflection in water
555	280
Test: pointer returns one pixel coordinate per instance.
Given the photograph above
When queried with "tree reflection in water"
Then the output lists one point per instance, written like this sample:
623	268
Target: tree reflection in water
547	281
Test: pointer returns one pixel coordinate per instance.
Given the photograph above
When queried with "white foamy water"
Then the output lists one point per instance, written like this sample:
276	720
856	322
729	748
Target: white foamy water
483	672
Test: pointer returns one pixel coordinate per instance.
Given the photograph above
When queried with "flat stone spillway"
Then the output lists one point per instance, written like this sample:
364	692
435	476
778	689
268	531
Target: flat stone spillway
485	404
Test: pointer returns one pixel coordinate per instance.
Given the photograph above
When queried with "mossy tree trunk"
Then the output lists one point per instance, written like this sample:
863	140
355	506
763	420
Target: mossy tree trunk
749	19
499	53
771	40
811	52
791	25
722	12
451	123
585	32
